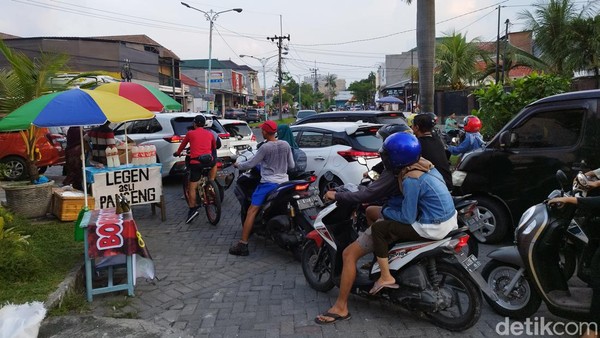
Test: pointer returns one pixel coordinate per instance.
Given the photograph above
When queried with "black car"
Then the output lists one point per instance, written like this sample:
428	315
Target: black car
235	114
517	167
367	116
252	115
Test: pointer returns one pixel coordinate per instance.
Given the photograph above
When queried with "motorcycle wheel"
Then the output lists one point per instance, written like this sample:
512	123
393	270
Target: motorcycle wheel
463	290
316	266
521	303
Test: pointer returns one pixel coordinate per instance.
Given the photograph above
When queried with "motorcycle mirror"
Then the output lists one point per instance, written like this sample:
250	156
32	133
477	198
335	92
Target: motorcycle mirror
561	178
373	175
233	151
362	161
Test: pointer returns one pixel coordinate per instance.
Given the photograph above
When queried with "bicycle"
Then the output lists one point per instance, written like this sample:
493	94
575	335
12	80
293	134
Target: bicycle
207	194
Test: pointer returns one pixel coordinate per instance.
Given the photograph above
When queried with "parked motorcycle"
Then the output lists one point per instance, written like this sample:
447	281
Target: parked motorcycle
288	211
437	280
550	248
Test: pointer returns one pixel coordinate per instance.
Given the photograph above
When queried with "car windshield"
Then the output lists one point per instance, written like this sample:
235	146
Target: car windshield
238	129
367	139
391	118
305	113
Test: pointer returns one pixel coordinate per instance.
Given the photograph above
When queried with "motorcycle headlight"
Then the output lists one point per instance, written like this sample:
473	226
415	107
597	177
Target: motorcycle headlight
458	178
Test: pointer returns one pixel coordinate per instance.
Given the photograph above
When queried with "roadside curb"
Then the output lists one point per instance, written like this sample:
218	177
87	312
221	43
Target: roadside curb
75	276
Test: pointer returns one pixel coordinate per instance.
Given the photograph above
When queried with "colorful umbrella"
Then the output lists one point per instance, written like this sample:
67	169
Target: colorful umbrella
146	96
74	107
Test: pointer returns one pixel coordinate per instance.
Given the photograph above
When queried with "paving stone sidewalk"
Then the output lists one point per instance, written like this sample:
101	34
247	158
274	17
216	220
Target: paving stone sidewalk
202	291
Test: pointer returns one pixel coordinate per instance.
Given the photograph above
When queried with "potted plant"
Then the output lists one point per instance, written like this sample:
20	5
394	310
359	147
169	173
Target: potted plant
24	80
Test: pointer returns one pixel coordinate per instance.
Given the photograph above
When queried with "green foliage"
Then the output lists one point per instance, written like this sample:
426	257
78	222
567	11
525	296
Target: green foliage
498	106
34	258
364	90
456	60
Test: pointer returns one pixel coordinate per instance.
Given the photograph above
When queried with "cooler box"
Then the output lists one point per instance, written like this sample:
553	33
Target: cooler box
66	204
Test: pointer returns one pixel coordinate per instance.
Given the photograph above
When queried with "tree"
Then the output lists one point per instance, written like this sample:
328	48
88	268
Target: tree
584	37
330	85
426	51
456	61
498	106
364	90
25	80
550	25
513	58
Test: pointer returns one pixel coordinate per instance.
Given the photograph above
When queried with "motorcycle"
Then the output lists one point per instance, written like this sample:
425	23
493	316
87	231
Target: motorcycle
431	274
466	209
288	211
550	248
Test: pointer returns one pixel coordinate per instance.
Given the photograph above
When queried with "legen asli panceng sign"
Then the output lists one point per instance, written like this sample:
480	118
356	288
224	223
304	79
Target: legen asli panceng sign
140	185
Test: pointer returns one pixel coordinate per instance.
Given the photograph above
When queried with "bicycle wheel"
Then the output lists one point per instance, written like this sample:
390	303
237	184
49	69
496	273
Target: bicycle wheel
212	202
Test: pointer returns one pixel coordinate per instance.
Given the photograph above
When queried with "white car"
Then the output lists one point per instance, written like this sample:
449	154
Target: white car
333	149
240	134
166	131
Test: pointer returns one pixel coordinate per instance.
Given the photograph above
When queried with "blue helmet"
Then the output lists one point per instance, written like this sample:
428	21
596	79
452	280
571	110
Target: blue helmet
400	150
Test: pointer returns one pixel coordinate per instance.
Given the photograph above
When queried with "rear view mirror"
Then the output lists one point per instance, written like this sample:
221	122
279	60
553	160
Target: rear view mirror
508	139
561	178
362	160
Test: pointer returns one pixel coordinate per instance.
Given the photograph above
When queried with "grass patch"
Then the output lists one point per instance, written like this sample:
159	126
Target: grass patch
74	302
55	253
288	120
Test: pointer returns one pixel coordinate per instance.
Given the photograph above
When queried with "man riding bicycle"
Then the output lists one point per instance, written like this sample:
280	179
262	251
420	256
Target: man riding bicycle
203	154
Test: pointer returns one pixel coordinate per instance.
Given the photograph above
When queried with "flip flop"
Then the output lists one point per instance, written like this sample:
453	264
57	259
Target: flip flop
377	287
335	316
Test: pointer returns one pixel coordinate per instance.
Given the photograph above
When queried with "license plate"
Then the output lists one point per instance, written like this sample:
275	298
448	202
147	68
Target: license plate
471	263
308	202
475	223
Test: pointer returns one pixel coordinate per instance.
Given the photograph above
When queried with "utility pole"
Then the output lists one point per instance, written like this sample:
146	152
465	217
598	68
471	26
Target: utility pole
315	83
504	53
280	77
498	48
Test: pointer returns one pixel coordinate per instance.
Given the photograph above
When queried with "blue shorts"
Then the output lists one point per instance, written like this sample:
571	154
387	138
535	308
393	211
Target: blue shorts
261	192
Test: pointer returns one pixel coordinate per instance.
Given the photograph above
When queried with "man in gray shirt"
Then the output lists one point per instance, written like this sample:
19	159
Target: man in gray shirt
275	158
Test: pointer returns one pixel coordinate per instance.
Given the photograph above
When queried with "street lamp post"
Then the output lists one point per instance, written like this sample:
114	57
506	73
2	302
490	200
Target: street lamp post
211	16
263	62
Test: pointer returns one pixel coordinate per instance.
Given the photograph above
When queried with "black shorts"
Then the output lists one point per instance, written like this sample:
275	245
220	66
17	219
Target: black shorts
196	170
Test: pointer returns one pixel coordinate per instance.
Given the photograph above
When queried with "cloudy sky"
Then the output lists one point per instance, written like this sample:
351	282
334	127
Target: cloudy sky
348	38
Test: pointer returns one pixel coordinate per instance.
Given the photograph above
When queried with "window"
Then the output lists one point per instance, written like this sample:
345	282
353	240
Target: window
315	139
367	140
181	125
550	129
238	129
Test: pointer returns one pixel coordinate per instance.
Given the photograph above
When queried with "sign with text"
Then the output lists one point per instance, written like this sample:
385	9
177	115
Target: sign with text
140	185
216	77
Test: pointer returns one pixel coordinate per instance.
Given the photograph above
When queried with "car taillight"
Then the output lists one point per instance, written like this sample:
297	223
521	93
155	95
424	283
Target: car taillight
174	139
253	138
353	155
224	135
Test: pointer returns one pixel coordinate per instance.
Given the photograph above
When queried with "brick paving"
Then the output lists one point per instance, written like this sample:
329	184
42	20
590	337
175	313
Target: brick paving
205	292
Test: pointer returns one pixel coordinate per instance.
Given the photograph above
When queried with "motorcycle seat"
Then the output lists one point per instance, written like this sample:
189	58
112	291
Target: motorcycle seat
457	231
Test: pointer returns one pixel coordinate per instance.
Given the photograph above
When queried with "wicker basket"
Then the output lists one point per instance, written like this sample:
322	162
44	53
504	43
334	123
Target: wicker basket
28	200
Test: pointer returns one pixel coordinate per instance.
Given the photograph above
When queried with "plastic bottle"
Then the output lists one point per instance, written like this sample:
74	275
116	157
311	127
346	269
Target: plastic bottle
135	155
116	159
109	157
153	152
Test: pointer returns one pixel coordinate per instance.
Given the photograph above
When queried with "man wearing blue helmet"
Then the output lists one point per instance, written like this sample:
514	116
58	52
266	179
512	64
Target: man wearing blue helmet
424	209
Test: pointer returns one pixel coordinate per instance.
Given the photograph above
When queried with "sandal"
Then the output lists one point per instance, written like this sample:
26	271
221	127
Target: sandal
378	287
335	317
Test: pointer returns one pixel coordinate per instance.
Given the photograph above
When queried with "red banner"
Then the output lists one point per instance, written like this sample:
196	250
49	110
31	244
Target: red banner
111	234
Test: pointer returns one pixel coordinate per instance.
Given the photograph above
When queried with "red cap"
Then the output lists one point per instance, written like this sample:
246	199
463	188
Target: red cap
269	126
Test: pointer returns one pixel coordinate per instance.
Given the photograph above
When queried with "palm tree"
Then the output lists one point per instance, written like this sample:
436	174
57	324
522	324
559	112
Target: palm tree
550	25
513	58
25	80
585	41
456	61
330	85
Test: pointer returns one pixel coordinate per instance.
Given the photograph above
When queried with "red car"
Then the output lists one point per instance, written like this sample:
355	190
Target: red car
14	157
